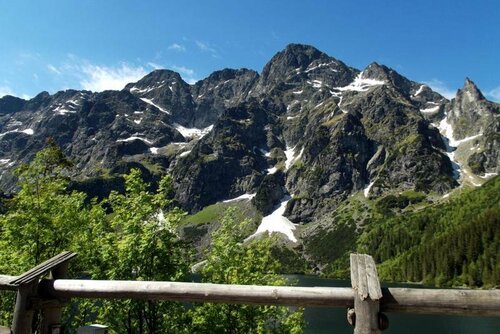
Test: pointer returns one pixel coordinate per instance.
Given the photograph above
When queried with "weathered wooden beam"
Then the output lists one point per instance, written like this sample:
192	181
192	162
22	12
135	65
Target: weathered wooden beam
5	282
406	300
464	302
367	294
4	330
43	268
23	310
27	292
200	292
52	312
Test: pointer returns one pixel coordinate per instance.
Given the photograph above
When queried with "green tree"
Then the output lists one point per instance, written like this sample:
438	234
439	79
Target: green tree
141	244
231	262
42	219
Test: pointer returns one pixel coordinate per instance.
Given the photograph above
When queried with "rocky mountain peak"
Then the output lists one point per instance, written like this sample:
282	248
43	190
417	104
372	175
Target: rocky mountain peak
329	128
228	74
470	91
376	71
293	57
299	54
157	77
10	104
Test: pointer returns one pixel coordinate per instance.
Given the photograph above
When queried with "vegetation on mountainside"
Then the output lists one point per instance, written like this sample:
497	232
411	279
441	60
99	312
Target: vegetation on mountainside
129	236
451	243
231	262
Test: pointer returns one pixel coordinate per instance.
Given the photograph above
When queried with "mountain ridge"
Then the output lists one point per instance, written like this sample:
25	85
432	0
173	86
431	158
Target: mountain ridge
372	129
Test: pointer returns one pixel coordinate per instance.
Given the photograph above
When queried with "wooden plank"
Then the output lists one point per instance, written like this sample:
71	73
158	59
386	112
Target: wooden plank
5	282
4	330
200	292
463	302
23	312
374	290
43	268
406	300
367	293
52	312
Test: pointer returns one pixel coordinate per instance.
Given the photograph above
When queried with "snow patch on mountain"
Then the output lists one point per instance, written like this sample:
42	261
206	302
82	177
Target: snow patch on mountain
192	132
360	84
366	191
276	222
148	101
29	132
291	156
135	137
420	89
309	68
240	198
429	110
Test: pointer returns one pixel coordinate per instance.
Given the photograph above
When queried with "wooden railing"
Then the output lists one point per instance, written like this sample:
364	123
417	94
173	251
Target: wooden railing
365	301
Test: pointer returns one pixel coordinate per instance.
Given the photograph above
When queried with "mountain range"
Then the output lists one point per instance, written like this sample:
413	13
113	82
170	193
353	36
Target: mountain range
294	144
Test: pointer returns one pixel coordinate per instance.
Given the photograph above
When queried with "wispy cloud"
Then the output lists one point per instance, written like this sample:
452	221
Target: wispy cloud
494	94
5	90
440	87
99	78
155	66
177	47
53	69
189	75
205	47
96	77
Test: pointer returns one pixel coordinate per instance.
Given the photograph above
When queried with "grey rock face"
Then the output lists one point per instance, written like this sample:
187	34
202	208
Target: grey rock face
220	91
309	126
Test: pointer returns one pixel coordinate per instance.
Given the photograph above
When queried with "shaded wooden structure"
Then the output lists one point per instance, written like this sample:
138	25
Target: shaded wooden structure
28	299
364	301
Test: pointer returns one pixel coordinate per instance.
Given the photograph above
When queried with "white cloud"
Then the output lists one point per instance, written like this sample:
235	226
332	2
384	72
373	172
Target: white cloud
189	75
99	78
53	69
4	90
96	77
155	66
441	88
205	47
494	94
177	47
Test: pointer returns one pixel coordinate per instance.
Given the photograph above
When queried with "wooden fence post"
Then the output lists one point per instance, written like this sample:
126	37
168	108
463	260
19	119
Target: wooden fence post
23	310
28	297
367	294
52	310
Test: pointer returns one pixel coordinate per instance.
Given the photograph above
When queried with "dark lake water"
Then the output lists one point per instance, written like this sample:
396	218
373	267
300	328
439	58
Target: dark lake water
333	321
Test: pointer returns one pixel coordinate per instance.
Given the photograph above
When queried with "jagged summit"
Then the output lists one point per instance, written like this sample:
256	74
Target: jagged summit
157	77
470	90
295	57
227	74
329	130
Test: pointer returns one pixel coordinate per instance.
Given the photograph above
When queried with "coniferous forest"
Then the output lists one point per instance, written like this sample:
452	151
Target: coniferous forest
452	243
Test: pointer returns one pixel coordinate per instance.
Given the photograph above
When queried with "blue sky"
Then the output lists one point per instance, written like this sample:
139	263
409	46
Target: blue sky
97	44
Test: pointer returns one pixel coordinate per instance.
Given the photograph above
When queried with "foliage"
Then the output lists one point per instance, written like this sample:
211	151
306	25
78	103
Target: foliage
231	262
129	236
451	243
141	244
41	220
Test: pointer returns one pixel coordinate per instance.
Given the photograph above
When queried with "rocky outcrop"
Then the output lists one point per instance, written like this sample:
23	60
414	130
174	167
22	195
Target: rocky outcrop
309	127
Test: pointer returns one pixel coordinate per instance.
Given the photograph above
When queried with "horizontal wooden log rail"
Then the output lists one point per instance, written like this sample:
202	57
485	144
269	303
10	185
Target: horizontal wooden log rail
422	301
364	302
